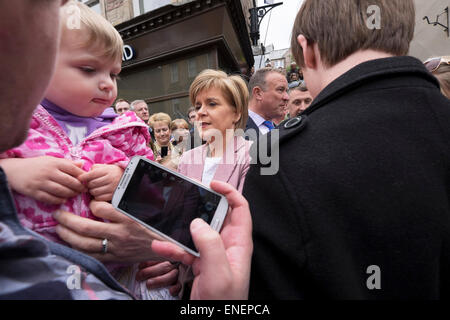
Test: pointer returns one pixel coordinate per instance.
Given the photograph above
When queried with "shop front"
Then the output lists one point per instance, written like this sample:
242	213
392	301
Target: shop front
167	48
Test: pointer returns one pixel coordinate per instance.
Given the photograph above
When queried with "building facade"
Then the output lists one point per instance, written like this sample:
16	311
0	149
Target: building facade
169	42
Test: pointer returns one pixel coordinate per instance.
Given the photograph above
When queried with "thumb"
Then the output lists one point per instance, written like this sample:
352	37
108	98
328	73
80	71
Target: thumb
209	244
79	163
96	166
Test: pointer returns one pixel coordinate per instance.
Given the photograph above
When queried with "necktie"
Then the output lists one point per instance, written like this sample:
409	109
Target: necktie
268	124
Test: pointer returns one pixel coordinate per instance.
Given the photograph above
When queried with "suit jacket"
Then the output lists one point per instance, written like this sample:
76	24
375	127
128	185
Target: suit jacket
252	125
232	169
359	208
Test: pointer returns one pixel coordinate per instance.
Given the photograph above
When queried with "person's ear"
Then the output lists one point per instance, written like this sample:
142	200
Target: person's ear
237	117
309	55
257	93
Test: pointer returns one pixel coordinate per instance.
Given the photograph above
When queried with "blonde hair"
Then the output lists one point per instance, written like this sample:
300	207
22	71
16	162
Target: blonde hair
339	28
443	75
179	124
233	88
159	117
99	31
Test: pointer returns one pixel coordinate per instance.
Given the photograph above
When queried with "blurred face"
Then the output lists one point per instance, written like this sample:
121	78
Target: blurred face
84	82
29	37
192	117
214	112
180	134
122	107
275	97
141	111
162	133
298	101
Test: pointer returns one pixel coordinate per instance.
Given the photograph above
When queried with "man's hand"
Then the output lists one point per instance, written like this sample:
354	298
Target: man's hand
128	241
159	274
223	269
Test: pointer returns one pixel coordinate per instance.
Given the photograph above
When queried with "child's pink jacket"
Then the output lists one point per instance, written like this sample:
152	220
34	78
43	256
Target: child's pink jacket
114	143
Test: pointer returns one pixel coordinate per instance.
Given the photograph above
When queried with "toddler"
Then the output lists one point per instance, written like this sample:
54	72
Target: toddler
77	147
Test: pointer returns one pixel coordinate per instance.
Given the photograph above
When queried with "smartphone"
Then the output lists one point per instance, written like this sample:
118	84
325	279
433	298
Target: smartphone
166	202
164	151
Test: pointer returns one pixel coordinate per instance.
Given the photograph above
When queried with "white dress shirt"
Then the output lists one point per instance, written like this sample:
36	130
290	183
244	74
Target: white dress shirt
258	120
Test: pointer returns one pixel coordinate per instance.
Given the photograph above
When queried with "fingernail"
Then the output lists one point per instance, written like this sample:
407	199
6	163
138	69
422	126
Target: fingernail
56	214
196	224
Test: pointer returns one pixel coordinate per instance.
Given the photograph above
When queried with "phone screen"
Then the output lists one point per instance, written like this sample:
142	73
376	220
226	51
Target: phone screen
164	151
167	202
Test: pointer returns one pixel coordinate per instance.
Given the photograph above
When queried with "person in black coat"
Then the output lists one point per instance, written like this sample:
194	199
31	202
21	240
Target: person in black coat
359	208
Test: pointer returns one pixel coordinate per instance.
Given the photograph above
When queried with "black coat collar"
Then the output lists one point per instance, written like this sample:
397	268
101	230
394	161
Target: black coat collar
362	73
367	71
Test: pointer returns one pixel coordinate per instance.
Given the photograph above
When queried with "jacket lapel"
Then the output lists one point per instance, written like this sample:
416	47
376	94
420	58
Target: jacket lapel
228	165
197	173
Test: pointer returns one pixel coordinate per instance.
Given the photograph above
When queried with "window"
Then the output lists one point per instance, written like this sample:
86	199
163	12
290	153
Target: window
278	63
144	6
192	68
176	107
136	8
93	4
174	73
96	7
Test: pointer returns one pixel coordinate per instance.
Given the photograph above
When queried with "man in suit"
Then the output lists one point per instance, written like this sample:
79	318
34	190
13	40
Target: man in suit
268	99
359	208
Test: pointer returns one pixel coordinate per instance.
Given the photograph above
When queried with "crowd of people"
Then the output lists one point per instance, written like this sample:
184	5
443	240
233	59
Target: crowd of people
363	173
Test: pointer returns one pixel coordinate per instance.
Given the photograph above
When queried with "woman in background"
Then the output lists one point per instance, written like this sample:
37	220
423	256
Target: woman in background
180	143
440	68
160	124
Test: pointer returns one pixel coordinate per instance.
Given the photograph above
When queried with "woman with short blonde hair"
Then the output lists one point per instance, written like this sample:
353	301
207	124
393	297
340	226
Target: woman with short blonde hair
233	88
221	102
160	124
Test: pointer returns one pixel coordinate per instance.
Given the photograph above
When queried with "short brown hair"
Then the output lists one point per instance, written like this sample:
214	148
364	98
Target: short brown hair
191	109
233	88
258	79
121	100
179	124
339	28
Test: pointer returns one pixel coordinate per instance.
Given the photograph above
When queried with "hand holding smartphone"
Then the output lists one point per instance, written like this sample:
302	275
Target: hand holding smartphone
166	202
164	151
